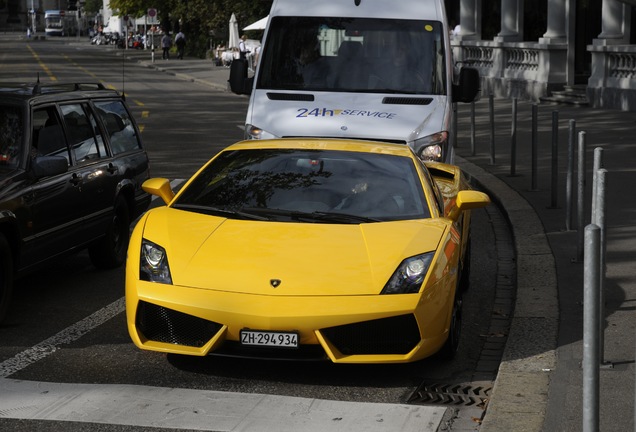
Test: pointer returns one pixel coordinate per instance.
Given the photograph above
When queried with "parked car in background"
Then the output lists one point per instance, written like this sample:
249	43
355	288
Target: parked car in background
71	169
340	250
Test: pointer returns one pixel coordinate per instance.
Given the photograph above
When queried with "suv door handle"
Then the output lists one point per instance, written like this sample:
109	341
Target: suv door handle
112	169
76	179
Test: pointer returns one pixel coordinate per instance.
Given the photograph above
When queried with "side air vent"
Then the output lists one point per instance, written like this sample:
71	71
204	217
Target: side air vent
291	97
406	101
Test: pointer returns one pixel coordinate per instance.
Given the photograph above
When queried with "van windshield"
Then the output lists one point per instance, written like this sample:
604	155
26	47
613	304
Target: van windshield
354	55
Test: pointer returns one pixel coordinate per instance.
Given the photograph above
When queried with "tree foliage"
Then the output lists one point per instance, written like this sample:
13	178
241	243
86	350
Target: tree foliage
204	22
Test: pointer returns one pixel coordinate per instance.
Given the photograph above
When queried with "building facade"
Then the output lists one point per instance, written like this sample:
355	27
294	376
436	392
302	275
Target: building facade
587	44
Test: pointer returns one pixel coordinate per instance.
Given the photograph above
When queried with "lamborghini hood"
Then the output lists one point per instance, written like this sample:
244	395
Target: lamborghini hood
284	258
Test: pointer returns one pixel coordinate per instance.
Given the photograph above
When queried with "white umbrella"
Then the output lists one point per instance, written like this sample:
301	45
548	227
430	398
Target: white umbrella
258	25
233	42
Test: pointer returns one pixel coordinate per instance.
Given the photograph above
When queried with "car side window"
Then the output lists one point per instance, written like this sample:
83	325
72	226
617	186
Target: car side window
439	199
118	125
48	135
11	135
86	144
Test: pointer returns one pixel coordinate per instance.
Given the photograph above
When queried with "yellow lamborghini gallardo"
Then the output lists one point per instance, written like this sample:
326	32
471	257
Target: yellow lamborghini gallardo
351	251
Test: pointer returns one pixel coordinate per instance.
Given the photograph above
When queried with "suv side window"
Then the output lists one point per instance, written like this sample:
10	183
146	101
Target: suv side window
119	126
80	127
11	134
48	135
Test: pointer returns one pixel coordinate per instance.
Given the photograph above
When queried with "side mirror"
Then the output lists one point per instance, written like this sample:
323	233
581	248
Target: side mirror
159	187
468	87
468	200
239	83
46	166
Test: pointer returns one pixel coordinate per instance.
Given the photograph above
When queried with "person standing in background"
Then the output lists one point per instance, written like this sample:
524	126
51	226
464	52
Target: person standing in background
243	48
180	41
166	44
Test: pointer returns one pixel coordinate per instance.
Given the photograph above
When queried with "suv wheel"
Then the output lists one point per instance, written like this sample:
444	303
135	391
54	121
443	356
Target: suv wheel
6	276
110	251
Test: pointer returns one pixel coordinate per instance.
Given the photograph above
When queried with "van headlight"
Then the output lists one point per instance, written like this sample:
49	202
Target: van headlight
253	132
431	147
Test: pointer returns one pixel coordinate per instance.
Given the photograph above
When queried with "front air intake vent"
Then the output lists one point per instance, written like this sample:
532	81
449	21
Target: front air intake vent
394	335
161	324
301	97
391	100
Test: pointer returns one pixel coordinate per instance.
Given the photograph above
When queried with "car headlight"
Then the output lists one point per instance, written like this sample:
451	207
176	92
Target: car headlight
431	147
253	132
409	275
153	263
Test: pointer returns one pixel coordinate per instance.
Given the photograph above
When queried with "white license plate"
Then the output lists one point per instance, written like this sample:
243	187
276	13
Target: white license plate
270	339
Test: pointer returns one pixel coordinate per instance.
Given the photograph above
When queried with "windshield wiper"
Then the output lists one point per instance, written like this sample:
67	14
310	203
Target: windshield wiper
232	214
342	217
313	216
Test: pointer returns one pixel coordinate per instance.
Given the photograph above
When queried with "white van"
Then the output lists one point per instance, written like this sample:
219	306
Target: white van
376	70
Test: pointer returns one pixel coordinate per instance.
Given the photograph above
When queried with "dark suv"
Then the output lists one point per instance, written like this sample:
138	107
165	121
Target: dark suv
71	169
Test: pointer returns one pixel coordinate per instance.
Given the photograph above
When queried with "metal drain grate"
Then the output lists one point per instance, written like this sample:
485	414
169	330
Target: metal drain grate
451	394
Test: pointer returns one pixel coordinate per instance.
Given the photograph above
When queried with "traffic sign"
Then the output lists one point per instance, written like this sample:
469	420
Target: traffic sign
151	17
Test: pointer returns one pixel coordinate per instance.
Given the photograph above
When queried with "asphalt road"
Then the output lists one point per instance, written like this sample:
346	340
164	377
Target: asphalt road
67	326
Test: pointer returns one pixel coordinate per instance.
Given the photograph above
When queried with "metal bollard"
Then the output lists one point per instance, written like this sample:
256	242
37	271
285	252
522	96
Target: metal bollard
598	164
555	159
569	184
598	218
472	128
491	107
513	140
580	204
533	182
590	330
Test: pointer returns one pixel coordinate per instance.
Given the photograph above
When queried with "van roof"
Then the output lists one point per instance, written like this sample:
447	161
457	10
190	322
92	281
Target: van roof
405	9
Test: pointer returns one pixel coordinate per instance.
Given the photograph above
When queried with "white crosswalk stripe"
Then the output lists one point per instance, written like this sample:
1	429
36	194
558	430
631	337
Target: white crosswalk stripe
133	405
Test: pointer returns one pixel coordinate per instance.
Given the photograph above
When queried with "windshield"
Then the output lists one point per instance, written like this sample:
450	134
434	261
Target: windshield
354	54
312	186
11	136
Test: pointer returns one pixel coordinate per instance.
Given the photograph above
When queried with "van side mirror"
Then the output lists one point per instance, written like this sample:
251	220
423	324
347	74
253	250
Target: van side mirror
239	82
468	86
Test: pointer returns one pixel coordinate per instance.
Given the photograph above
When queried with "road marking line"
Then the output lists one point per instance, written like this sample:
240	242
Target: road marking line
66	336
41	63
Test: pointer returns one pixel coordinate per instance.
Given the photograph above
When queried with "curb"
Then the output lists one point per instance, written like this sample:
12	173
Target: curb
520	393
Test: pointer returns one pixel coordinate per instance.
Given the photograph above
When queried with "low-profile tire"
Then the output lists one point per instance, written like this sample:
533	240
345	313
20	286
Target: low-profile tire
6	277
451	345
464	276
110	251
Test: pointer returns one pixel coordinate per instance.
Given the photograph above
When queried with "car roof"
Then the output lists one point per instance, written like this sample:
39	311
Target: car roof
326	144
45	92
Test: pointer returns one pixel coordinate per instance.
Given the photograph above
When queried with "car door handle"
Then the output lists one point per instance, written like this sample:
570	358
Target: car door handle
112	169
76	179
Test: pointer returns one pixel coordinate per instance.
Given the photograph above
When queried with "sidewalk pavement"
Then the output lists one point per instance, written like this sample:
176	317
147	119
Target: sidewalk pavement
540	383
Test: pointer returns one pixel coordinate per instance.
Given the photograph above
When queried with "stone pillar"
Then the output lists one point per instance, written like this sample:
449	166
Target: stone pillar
511	21
469	20
613	20
556	23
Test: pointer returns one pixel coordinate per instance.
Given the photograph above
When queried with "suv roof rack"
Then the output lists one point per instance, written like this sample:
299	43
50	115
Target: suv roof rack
40	88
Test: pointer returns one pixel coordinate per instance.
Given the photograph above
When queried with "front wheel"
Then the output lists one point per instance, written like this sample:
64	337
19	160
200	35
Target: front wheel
110	251
6	276
451	345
